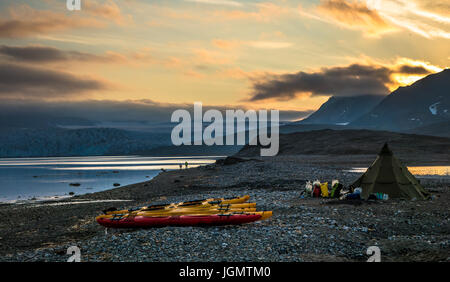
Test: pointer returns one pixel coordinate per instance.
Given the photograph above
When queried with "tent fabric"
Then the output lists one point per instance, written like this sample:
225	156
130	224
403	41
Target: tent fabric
387	175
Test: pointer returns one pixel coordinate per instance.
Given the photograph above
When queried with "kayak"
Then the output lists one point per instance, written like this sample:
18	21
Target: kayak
184	211
201	207
182	220
193	209
196	203
178	212
197	220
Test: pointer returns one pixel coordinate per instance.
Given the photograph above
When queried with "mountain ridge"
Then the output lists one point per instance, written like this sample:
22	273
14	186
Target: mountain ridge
422	103
354	142
343	110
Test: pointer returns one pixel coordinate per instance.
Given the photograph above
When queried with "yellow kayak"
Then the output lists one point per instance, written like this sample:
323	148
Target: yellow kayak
204	206
185	211
207	203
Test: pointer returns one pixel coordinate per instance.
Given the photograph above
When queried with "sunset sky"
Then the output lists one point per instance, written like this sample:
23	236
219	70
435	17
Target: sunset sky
287	55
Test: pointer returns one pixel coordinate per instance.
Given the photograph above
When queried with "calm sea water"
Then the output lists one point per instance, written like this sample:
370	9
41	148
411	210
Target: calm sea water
41	178
416	170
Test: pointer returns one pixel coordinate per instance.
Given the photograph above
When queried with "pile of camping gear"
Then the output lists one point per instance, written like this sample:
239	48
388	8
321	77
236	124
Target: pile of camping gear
320	190
316	189
386	178
214	211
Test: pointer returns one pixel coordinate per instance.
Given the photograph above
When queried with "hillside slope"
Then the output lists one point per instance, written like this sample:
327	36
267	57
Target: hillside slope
436	129
343	110
425	102
351	142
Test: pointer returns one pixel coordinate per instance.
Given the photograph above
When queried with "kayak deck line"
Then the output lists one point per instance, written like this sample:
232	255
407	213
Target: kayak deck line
195	203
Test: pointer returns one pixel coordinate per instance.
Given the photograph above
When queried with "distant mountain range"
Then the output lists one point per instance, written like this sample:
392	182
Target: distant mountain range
421	108
423	103
343	110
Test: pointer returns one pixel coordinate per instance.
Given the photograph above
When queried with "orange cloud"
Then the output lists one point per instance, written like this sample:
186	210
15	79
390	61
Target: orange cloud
416	16
25	21
204	56
259	44
107	10
354	15
225	44
426	18
265	12
238	73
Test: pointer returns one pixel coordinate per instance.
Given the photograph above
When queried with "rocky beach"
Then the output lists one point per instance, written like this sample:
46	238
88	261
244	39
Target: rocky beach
301	229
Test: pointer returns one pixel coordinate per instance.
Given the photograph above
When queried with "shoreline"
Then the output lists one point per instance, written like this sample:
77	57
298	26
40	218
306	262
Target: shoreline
273	183
127	170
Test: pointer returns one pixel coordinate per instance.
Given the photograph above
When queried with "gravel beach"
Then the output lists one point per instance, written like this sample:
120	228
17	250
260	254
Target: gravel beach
300	229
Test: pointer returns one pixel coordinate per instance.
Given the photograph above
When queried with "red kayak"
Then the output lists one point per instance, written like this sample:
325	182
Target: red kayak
117	221
182	220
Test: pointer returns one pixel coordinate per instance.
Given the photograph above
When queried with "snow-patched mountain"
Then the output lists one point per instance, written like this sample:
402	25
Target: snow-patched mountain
425	102
343	110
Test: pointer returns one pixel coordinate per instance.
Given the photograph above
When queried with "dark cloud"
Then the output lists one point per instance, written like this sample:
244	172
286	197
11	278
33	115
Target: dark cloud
104	111
338	81
47	54
352	80
42	54
24	81
406	69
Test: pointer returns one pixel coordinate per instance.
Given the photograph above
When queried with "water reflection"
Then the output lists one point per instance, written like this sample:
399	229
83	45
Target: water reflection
416	170
26	178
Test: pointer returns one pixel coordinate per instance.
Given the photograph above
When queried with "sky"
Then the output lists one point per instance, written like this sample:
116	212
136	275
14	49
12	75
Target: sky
281	54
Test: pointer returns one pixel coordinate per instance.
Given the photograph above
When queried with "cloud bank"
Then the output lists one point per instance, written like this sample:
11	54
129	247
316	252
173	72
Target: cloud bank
351	80
29	82
115	111
46	54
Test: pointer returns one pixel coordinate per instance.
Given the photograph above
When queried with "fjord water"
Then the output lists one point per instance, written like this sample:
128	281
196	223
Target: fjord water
41	178
416	170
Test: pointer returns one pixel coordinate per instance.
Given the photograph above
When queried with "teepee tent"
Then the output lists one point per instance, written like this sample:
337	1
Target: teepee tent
387	175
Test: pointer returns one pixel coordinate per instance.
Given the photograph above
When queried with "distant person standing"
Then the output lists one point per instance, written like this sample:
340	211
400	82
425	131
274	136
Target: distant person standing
181	166
186	164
